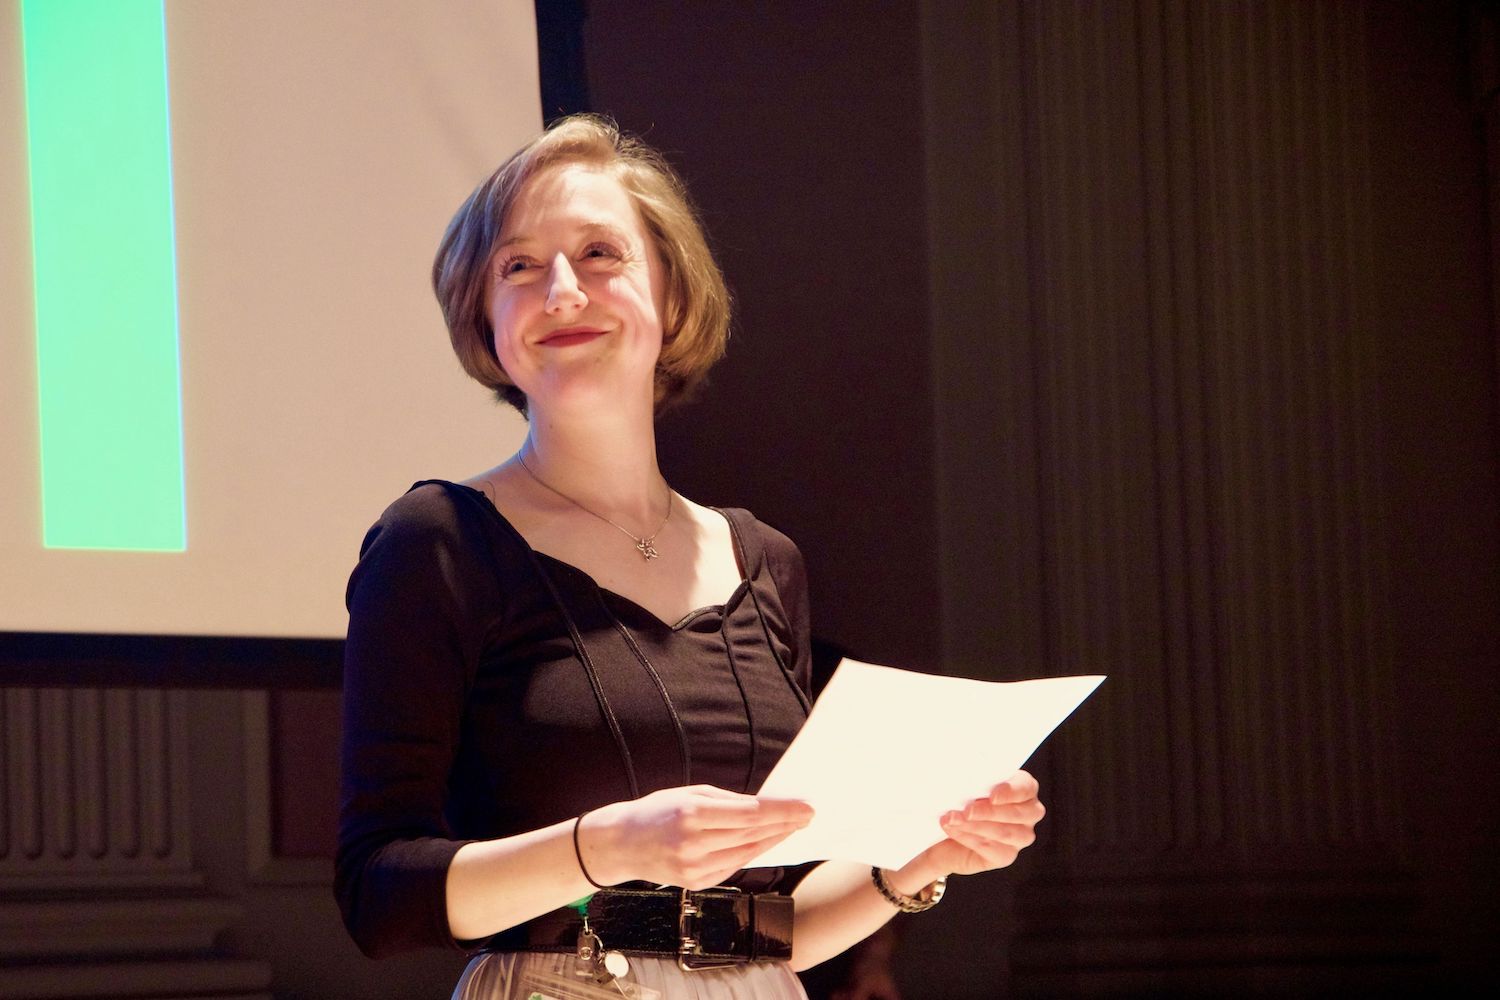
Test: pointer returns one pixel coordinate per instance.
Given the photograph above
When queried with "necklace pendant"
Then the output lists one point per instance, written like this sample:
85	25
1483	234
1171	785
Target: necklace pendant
646	548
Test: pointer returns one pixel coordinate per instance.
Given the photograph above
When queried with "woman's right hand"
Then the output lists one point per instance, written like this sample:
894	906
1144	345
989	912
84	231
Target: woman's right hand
694	837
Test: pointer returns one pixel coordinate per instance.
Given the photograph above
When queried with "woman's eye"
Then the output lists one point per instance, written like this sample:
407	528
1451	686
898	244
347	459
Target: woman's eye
598	250
513	265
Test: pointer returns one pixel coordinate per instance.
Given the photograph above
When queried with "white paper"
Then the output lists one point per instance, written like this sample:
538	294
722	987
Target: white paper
886	752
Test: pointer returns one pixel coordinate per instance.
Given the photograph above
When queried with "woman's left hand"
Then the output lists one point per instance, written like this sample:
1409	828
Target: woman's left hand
987	833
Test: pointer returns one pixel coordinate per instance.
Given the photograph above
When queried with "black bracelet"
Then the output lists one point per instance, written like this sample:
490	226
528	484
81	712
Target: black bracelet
578	851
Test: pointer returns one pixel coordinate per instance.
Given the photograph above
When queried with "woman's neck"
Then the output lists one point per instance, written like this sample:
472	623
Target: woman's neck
605	462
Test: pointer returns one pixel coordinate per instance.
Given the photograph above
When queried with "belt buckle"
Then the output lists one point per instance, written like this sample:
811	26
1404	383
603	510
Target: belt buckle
687	933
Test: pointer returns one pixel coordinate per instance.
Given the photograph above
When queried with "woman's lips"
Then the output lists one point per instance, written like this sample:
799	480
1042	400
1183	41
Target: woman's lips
565	338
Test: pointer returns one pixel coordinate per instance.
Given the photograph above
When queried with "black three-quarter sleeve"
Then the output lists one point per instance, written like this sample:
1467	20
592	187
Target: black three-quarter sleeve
421	602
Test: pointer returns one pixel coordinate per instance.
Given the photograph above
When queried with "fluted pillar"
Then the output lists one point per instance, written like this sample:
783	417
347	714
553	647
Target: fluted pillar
95	789
98	891
1160	461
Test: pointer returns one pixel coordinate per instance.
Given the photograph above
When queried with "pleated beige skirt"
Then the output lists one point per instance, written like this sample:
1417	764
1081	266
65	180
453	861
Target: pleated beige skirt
519	975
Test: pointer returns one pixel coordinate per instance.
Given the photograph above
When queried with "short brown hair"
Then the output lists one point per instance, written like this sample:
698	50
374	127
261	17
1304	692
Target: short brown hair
695	320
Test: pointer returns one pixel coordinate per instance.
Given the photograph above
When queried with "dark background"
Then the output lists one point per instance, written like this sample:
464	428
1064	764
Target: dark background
1155	339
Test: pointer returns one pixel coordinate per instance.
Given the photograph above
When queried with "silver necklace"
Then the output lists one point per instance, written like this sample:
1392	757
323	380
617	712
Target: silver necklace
646	546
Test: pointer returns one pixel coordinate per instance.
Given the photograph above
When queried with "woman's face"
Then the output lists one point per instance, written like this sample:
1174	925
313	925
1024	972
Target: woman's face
575	292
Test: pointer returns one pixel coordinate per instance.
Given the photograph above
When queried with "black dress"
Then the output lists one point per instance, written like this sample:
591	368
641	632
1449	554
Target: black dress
490	690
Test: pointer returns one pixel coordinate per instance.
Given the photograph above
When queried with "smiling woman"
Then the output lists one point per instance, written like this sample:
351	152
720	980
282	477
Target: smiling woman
694	304
554	735
563	279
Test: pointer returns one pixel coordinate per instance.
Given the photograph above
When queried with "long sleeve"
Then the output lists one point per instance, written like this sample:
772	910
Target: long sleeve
421	601
466	680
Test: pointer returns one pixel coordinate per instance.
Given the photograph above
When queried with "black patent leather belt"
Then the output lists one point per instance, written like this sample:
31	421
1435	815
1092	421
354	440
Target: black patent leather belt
699	929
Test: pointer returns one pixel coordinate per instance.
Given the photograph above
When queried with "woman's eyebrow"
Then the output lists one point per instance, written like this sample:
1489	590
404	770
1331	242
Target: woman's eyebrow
586	227
612	231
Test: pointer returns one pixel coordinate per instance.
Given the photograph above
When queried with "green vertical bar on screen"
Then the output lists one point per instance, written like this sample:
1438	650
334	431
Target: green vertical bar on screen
104	258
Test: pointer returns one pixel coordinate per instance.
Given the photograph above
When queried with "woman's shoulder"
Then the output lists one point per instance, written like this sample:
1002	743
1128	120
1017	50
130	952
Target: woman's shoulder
433	505
781	561
437	533
431	514
782	554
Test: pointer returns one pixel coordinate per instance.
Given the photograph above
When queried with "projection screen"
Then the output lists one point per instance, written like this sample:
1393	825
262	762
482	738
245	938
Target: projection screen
221	357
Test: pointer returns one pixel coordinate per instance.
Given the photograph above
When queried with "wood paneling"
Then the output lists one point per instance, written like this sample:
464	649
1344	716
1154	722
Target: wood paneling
99	894
1200	256
94	789
1187	331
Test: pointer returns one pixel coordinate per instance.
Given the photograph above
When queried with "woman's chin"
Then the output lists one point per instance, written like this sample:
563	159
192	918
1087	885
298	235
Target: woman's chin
576	389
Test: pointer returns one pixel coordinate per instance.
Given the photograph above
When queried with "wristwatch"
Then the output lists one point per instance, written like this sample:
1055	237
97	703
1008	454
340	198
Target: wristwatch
925	900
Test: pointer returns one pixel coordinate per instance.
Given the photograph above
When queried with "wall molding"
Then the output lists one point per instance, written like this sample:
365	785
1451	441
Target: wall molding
1155	316
99	892
263	865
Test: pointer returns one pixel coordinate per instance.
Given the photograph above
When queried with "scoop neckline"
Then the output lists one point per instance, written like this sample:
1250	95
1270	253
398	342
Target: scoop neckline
741	554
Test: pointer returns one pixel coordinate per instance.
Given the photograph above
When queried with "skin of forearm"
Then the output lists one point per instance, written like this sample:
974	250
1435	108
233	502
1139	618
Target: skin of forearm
838	906
495	884
879	947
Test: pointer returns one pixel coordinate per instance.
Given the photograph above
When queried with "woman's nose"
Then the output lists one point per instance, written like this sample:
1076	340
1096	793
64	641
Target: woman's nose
563	292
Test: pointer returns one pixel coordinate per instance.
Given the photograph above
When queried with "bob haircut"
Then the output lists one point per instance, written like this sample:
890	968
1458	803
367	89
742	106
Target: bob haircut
695	320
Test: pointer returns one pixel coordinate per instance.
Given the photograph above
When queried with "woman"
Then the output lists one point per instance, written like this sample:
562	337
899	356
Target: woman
549	698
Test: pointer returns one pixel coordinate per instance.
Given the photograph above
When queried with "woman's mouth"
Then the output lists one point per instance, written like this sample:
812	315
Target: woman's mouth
570	336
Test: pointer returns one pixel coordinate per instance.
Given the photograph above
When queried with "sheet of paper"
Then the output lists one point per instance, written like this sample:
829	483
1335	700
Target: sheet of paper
886	752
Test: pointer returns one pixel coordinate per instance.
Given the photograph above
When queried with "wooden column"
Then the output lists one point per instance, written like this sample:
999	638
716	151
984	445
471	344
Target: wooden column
1160	461
98	892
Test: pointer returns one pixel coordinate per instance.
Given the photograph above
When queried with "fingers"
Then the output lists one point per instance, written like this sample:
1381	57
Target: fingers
1017	835
1014	800
756	812
1028	811
744	827
987	854
731	811
714	868
714	791
995	829
699	835
712	841
1017	788
994	845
